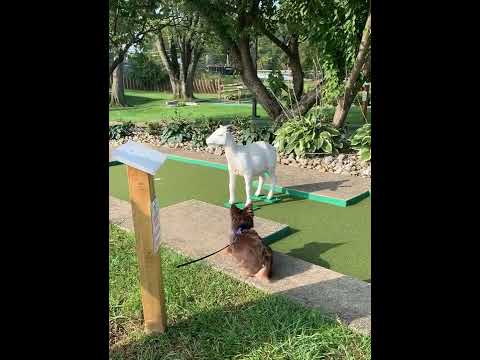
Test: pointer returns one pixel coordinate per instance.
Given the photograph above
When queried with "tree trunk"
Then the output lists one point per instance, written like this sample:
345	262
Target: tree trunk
118	90
242	56
188	88
181	75
171	65
296	67
351	86
191	70
176	86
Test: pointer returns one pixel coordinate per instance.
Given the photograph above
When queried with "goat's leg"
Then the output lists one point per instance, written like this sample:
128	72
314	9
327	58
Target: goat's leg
260	185
248	190
231	187
273	178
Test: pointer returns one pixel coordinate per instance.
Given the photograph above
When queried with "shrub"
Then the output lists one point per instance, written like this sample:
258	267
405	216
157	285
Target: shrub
248	131
180	130
324	113
361	141
155	129
176	131
275	82
308	135
201	129
122	130
144	69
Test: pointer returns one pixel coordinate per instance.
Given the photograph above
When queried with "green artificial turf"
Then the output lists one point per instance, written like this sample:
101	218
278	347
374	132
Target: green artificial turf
212	316
327	235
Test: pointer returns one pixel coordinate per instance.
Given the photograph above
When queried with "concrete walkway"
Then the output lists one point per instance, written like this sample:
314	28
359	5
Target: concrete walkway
207	229
339	188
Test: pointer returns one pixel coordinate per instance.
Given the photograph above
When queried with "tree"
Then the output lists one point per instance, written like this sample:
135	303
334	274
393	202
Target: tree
129	22
353	85
340	29
118	97
236	24
184	39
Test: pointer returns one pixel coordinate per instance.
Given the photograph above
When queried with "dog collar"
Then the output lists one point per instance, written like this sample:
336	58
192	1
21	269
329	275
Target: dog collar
239	230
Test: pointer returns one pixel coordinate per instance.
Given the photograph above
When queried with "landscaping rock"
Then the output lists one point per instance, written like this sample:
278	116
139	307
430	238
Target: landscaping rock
327	159
345	164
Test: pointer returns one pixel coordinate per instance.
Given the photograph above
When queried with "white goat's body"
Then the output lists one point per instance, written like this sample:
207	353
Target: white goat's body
246	160
252	159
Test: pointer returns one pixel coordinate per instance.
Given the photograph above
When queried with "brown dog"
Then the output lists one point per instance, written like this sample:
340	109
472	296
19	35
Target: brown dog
247	246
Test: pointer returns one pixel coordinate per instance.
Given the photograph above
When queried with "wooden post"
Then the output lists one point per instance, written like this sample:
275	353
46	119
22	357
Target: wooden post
142	194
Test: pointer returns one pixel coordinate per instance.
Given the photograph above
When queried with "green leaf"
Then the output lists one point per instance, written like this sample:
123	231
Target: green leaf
325	134
319	142
365	154
327	146
298	151
366	140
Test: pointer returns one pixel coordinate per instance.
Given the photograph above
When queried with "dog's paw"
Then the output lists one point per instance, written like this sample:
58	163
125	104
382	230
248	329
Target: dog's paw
262	274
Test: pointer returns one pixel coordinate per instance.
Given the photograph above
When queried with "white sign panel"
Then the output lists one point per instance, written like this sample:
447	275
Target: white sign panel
155	211
139	156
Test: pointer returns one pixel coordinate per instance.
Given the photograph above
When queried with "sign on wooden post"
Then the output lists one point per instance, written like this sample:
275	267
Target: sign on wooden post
142	163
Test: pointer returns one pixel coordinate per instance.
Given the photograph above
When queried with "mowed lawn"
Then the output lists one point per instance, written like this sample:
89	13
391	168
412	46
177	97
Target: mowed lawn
213	316
145	106
148	106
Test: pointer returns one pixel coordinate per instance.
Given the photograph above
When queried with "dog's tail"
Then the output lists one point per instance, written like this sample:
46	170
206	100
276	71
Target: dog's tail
268	261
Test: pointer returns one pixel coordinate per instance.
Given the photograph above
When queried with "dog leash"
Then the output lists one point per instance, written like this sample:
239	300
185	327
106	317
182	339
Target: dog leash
237	233
193	261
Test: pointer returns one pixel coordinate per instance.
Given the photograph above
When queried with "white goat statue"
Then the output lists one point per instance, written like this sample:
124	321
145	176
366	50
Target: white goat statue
250	160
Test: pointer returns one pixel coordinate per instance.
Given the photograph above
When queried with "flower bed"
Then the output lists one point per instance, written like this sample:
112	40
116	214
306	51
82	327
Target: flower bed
344	163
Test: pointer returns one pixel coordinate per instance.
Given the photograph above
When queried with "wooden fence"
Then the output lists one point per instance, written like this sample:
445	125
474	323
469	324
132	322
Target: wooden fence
199	86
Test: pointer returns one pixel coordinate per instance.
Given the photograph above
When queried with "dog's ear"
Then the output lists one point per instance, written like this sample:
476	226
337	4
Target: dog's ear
249	209
234	209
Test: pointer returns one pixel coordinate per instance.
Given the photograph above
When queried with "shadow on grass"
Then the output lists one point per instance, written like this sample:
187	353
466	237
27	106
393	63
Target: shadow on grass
135	100
312	252
271	326
324	185
279	235
284	199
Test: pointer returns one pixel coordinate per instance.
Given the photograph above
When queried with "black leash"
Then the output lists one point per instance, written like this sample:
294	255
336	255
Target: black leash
193	261
238	232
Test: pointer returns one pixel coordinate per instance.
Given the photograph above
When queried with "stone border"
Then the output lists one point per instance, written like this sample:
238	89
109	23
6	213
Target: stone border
342	164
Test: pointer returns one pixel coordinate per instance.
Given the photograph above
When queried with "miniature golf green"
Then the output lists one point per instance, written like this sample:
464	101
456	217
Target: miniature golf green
334	237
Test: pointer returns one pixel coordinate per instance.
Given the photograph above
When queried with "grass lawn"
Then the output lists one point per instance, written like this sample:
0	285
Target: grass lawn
147	106
150	107
330	236
212	316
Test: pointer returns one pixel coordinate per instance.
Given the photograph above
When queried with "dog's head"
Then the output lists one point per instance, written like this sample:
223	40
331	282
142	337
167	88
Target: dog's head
241	219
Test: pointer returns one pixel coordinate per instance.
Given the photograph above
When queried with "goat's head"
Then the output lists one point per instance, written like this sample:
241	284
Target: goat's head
219	136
